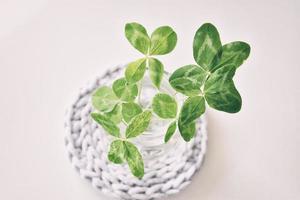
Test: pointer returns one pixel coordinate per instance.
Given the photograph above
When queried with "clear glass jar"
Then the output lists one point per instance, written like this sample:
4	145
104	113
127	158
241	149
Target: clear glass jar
151	142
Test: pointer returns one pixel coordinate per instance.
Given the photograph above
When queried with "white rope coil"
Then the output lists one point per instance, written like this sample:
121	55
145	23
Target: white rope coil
87	146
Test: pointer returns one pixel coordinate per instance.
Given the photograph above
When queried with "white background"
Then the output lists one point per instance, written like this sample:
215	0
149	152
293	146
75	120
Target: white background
48	50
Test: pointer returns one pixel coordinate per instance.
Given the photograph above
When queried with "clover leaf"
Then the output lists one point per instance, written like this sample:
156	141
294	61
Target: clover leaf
135	70
115	115
163	40
130	110
106	124
164	106
138	37
125	91
117	152
192	109
187	131
156	70
220	91
188	79
104	99
121	151
206	45
138	124
170	131
134	159
234	53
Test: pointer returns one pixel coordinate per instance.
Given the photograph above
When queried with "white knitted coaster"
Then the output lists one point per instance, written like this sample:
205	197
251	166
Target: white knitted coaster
87	146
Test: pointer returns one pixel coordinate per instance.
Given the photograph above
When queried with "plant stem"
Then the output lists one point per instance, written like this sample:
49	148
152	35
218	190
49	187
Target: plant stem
140	91
141	82
125	123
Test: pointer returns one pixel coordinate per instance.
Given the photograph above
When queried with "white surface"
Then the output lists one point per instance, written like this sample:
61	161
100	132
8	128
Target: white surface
49	49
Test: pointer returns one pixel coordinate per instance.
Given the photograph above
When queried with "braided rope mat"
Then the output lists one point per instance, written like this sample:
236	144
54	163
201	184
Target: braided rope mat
87	146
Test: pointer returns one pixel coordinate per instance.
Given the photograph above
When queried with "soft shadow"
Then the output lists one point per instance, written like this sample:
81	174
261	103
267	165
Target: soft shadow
214	167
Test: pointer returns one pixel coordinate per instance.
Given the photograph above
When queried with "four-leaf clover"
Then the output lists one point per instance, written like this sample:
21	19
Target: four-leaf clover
210	80
162	41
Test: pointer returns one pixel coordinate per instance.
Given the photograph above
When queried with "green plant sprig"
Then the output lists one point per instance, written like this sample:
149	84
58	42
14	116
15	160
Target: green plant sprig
209	81
119	103
162	41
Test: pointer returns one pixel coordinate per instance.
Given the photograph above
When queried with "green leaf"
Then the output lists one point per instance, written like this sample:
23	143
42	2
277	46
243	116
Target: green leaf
138	37
134	160
130	110
104	99
138	124
164	106
206	45
163	41
115	115
170	132
188	79
220	91
191	109
135	70
234	53
125	91
107	124
123	150
187	131
117	152
156	70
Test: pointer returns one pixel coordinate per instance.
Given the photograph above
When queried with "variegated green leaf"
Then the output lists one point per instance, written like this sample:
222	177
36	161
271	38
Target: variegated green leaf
233	53
135	71
130	110
134	160
138	124
220	91
163	41
115	115
106	124
187	131
156	70
117	152
170	132
192	109
138	37
206	45
104	99
124	90
188	79
164	106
